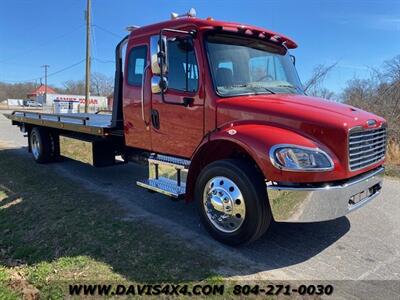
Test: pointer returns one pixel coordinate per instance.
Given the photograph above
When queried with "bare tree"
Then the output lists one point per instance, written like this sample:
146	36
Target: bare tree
379	94
391	69
102	85
319	74
314	85
74	87
17	90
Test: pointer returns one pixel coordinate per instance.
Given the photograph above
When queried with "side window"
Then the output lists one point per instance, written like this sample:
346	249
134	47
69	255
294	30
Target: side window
136	64
183	72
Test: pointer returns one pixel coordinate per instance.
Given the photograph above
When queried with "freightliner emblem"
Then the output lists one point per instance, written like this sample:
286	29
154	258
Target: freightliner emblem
371	123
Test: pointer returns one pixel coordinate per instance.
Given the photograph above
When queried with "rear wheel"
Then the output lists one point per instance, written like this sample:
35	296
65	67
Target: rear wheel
44	145
232	201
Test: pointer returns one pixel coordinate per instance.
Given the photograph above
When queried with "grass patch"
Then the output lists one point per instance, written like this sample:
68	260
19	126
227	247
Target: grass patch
5	291
392	170
393	160
59	232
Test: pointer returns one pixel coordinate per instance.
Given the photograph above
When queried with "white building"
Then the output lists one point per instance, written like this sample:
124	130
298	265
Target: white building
74	101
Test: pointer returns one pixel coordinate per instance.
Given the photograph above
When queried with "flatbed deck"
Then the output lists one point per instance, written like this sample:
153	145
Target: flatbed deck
95	124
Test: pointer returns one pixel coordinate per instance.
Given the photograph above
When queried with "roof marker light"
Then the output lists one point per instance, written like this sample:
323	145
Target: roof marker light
132	28
191	14
275	38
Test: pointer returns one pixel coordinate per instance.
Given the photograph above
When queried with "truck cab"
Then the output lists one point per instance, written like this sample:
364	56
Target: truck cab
219	113
209	91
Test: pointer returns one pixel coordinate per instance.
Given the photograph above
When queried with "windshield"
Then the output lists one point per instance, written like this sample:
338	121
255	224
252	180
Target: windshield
244	65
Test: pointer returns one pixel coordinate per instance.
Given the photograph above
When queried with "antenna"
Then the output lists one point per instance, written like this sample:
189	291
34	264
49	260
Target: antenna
191	14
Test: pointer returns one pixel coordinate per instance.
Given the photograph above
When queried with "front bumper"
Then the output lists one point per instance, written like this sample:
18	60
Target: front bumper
314	203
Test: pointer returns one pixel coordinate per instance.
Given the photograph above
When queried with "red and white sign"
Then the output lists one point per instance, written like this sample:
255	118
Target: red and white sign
94	101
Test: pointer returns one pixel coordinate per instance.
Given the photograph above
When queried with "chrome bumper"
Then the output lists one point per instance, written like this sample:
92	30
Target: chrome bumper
312	203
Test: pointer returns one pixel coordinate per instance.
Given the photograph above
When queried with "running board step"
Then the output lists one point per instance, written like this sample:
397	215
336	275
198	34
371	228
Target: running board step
167	175
178	163
162	187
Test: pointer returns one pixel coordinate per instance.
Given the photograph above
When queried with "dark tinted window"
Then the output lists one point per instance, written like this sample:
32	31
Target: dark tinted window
183	73
136	64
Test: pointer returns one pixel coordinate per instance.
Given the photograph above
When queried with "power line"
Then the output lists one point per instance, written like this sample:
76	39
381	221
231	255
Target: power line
18	54
19	64
104	61
49	75
108	31
66	68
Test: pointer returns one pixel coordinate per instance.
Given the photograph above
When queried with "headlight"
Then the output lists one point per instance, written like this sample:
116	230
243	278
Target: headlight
300	159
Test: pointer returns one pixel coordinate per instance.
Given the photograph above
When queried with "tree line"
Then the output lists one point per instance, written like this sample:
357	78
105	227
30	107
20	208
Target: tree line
101	85
380	93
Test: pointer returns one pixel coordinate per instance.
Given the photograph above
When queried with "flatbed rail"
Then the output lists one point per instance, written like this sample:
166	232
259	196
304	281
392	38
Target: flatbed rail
94	124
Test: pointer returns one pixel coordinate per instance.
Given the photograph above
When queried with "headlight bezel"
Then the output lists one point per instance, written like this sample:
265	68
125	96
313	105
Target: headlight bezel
278	165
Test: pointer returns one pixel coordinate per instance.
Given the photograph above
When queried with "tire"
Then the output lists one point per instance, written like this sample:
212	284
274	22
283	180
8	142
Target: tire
246	215
55	147
43	145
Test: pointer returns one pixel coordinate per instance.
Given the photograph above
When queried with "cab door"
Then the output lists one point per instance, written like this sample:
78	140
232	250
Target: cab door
177	114
137	98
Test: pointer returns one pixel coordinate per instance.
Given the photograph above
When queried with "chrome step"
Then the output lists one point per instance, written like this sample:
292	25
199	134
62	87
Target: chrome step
163	187
179	163
167	175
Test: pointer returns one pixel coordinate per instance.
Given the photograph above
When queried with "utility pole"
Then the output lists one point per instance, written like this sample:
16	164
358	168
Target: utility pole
45	84
87	78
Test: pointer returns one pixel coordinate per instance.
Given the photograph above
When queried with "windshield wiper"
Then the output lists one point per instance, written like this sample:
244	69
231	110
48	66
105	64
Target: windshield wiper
254	86
267	89
287	86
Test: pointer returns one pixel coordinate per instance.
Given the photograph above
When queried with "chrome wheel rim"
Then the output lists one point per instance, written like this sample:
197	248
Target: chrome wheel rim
224	204
35	146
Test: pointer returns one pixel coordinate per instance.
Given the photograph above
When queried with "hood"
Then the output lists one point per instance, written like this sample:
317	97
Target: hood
316	118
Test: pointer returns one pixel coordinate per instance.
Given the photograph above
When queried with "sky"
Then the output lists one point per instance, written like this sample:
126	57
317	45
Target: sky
357	34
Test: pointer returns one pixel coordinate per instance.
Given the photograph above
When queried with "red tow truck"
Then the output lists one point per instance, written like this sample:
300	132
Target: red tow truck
218	112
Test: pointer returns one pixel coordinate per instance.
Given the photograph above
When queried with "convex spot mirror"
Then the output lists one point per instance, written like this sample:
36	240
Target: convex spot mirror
159	84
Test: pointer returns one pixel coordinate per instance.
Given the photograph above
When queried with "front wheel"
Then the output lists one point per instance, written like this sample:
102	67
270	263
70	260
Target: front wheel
232	201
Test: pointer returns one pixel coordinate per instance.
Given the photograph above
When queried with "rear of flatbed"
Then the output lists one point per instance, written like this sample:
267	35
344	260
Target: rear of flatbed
89	138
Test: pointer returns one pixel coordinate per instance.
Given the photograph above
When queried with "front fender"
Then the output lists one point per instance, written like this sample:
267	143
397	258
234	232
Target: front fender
257	139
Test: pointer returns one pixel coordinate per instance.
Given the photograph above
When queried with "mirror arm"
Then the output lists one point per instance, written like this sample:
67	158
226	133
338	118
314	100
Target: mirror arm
293	58
192	32
162	52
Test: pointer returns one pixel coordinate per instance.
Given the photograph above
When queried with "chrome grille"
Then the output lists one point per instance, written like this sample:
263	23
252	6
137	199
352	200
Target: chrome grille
366	147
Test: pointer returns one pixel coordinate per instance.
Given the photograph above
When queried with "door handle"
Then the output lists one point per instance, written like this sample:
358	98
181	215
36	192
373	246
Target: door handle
155	118
188	101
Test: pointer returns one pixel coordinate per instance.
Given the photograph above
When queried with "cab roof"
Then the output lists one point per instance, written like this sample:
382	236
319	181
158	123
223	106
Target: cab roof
209	24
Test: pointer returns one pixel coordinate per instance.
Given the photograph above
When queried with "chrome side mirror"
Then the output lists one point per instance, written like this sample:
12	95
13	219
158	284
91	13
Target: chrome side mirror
158	84
159	54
